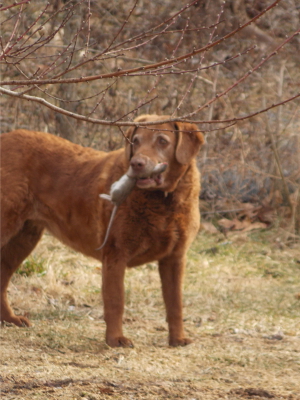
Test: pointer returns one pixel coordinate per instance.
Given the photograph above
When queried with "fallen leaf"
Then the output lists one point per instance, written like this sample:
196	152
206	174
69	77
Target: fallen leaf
253	392
209	227
226	223
266	214
240	225
105	390
255	225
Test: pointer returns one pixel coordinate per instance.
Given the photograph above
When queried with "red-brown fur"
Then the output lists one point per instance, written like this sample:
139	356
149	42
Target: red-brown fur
50	183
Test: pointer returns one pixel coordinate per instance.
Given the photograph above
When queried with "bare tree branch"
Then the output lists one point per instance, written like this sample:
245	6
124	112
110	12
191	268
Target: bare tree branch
130	71
132	123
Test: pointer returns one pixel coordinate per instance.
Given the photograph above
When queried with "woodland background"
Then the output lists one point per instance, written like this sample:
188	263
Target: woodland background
222	71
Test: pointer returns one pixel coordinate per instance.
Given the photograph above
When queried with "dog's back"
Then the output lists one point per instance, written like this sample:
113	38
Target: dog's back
49	179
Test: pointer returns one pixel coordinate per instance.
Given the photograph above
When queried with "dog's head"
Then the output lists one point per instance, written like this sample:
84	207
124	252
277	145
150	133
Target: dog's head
173	144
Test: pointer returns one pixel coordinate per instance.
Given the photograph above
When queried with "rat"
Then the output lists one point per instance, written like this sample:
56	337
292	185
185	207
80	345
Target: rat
119	191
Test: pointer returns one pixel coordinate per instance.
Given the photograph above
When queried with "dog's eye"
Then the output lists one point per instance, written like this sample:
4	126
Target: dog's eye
162	141
135	141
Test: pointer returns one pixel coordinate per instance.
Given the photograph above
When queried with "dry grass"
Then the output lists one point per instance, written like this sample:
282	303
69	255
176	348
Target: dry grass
242	304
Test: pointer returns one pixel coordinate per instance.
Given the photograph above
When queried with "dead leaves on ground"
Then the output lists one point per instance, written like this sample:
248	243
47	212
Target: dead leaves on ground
244	225
245	219
227	225
252	392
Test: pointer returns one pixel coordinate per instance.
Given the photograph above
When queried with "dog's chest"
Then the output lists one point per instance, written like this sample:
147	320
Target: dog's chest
152	229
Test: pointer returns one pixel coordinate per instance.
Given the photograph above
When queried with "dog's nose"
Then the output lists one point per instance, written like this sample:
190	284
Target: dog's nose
137	163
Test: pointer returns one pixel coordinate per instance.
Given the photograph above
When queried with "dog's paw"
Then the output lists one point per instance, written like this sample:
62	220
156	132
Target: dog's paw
180	342
120	341
18	320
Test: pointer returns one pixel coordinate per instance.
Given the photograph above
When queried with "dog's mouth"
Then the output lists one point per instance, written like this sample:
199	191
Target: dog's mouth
155	180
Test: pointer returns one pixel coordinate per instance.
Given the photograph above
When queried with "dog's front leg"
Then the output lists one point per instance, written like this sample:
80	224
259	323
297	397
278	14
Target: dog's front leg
171	271
113	272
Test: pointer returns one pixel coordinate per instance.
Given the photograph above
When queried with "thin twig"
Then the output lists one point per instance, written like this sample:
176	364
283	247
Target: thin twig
9	44
14	5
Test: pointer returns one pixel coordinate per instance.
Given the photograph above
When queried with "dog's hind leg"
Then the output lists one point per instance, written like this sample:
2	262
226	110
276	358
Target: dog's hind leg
12	254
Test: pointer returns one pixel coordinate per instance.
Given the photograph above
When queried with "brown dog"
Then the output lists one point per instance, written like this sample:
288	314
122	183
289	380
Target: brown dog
50	183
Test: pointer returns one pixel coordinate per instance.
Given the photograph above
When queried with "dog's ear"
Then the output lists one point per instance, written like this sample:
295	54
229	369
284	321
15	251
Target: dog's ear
190	139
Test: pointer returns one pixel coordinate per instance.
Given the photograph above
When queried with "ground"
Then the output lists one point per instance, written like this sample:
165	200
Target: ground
241	306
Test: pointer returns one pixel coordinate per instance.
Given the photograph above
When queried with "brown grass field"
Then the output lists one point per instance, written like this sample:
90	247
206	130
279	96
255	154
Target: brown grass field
242	302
